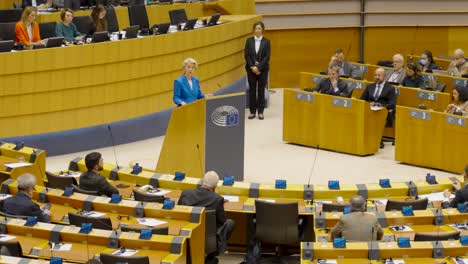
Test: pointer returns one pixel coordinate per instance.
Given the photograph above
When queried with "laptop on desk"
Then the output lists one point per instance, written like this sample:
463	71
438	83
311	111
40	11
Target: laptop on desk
163	28
6	45
54	42
100	37
190	24
214	19
131	32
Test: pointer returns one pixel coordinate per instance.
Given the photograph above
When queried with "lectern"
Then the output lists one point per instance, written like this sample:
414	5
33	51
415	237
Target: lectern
206	135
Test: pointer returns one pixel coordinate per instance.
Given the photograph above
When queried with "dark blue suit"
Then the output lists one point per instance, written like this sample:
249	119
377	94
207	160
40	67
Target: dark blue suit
183	92
21	204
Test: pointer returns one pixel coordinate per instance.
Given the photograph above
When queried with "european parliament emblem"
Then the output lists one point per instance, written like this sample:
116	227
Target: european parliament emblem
225	116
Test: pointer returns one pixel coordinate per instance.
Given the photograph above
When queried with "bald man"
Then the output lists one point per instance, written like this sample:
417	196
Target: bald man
205	196
380	92
398	74
358	225
458	66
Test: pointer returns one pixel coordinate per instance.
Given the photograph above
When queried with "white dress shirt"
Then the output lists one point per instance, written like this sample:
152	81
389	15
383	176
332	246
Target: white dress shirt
394	76
30	34
190	84
258	40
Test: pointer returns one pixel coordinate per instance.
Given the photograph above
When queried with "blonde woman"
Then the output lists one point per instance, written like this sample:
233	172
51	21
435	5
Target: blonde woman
27	29
187	86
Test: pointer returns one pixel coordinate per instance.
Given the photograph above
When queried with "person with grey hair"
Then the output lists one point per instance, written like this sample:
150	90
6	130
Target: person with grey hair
358	225
459	66
398	74
205	196
187	87
21	204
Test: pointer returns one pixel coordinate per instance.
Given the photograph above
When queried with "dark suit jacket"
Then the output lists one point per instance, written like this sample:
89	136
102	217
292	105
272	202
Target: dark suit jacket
262	57
325	87
92	181
461	196
205	198
29	2
387	96
21	204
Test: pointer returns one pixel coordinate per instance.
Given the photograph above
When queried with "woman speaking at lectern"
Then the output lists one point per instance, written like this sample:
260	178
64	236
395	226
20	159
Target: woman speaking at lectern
187	86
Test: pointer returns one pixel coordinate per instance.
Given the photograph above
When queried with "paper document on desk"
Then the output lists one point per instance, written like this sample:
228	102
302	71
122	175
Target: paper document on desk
231	198
395	261
376	108
61	247
151	222
6	237
459	227
436	196
125	252
4	196
460	260
70	174
267	200
402	228
17	164
94	214
160	192
327	261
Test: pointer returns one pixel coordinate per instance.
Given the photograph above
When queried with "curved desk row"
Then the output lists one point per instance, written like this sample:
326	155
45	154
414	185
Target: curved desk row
35	242
182	220
86	85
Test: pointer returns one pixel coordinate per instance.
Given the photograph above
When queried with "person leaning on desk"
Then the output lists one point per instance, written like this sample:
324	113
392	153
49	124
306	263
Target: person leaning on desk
98	15
459	105
332	85
187	86
413	76
461	193
27	29
67	29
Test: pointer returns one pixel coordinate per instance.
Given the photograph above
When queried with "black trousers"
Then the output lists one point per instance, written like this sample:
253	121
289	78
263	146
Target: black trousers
257	84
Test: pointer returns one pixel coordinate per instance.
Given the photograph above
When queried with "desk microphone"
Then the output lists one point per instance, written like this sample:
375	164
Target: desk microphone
113	146
313	165
199	161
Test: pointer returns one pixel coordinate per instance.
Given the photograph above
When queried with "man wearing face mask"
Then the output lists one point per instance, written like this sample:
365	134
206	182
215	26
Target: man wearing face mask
458	66
91	180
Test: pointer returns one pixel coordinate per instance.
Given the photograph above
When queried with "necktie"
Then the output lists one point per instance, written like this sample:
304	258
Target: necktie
377	92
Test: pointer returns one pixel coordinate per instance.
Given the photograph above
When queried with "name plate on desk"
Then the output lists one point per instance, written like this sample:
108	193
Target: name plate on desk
456	121
355	85
460	82
427	96
362	68
316	79
420	115
305	97
342	102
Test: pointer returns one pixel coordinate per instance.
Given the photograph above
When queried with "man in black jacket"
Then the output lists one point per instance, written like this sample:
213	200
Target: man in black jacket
91	180
21	203
332	85
380	92
461	193
205	196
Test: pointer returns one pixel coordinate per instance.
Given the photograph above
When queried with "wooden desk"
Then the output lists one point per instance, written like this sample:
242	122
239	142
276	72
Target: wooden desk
431	139
354	128
34	156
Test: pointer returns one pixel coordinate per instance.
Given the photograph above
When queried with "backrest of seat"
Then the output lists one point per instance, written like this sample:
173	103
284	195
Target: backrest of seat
79	190
277	222
47	29
138	16
59	182
436	237
143	197
7	31
178	16
12	248
84	24
97	222
210	232
154	230
420	204
10	15
330	207
111	17
113	259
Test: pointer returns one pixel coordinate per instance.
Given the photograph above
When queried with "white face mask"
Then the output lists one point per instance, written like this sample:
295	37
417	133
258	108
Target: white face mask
423	61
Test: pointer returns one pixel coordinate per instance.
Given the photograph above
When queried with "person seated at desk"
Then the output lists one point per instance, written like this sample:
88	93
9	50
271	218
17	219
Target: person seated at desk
358	225
21	204
91	180
380	92
98	16
413	76
338	60
461	193
39	4
459	105
27	29
398	73
67	29
426	62
187	86
459	66
205	196
332	85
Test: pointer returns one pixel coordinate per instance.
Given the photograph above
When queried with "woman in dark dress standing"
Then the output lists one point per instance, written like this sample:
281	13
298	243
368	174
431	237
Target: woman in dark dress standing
257	63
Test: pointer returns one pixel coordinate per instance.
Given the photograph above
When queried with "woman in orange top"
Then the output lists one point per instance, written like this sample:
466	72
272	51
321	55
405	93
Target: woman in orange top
27	29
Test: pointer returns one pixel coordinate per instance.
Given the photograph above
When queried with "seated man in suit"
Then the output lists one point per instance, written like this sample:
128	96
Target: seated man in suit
358	225
398	74
338	60
40	4
332	85
461	193
91	180
21	203
205	196
459	66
